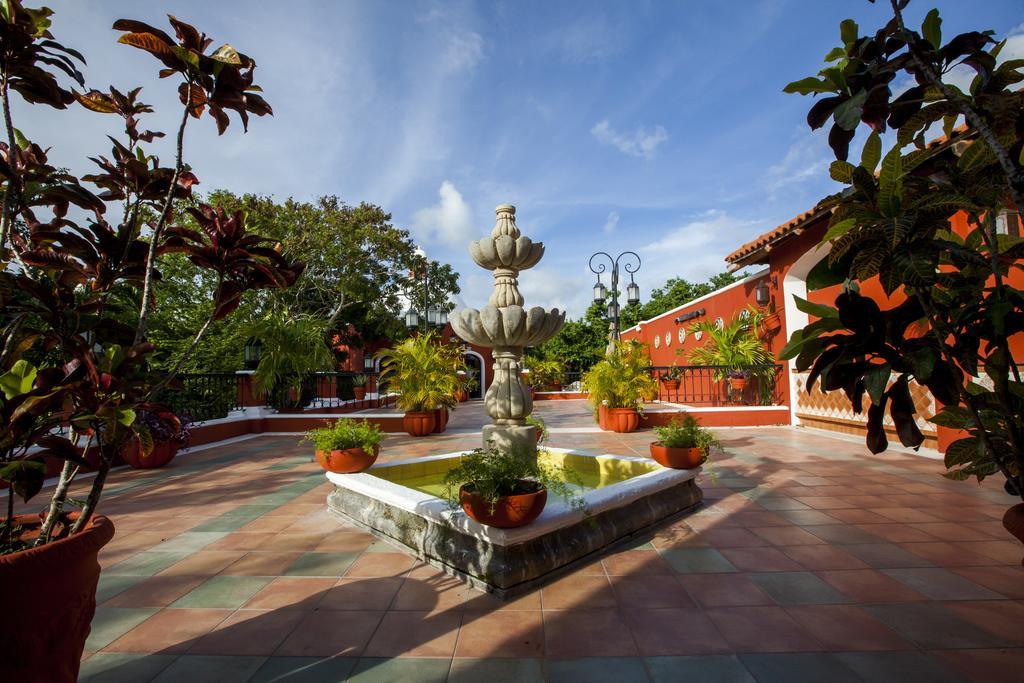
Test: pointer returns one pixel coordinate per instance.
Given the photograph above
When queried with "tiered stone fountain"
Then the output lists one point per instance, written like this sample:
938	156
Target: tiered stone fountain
505	326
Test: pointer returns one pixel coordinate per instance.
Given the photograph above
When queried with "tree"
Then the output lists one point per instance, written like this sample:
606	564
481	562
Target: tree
893	221
674	293
579	344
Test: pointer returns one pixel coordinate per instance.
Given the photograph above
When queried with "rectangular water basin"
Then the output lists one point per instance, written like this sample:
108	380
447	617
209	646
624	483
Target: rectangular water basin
624	496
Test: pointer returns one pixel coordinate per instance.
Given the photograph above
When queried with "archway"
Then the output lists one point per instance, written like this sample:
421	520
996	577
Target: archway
794	283
475	362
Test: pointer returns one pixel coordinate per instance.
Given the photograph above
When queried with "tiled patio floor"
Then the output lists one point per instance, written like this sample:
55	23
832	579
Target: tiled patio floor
810	560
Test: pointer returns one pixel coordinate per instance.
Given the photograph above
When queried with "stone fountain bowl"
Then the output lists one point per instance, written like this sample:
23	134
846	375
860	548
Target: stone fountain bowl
509	326
506	252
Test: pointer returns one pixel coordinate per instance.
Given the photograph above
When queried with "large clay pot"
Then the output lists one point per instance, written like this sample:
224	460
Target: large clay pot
163	452
555	386
1013	521
461	395
440	420
359	393
347	460
49	598
509	512
670	384
623	420
676	458
602	417
738	383
419	424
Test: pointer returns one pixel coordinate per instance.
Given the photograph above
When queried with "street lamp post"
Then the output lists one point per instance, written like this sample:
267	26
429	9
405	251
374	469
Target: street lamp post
600	293
431	316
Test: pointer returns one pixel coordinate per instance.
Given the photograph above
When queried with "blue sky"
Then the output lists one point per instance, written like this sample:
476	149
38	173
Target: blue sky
659	127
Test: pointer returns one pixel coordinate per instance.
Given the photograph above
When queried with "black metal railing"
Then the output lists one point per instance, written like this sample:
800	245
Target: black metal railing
711	385
350	390
203	396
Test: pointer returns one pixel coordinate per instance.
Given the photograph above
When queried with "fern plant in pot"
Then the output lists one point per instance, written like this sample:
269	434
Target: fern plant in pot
619	384
347	446
163	432
735	350
423	373
294	350
683	444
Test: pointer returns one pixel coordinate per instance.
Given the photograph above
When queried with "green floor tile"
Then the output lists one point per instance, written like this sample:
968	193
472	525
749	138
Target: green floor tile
406	670
804	667
798	588
110	623
146	563
703	669
496	671
210	669
113	584
235	519
697	560
932	626
224	592
899	667
190	541
123	667
321	564
597	670
304	670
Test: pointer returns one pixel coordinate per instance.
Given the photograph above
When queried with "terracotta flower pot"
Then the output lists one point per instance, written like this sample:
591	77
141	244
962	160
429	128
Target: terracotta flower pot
49	593
555	386
163	452
347	460
602	417
671	384
359	393
509	512
738	383
539	432
1013	521
419	424
676	458
440	420
461	395
623	420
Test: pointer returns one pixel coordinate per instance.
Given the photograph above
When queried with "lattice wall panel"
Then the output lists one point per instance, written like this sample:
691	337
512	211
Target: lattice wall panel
835	406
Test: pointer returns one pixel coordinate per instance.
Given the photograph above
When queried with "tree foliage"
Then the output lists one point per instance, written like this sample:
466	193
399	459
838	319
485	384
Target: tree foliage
955	307
675	293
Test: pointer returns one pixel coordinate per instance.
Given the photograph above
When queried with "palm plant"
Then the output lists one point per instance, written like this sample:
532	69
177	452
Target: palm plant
735	346
423	371
623	379
294	348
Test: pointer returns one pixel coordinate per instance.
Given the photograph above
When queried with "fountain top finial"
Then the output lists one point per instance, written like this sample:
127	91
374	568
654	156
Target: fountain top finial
506	222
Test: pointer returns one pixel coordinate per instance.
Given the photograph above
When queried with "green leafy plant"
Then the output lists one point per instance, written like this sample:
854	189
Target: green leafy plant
623	379
537	422
955	292
360	380
495	473
687	432
423	371
294	349
344	434
735	345
545	373
673	373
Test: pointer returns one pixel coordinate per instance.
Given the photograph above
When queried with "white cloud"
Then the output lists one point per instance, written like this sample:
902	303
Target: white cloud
638	143
463	52
611	223
450	221
808	157
587	41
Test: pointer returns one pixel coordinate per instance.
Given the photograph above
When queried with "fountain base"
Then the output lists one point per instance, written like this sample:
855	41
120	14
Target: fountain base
511	439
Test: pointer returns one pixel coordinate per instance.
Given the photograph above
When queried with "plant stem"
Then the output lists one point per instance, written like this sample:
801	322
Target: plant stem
95	491
6	218
9	526
147	285
60	494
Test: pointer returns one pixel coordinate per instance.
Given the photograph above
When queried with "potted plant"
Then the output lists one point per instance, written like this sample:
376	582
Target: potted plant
346	446
158	434
423	372
461	388
620	384
671	378
546	374
683	444
537	422
294	350
78	290
735	350
359	386
738	379
501	488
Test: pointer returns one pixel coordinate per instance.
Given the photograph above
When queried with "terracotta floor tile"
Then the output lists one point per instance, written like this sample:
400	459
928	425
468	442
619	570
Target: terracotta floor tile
381	564
361	594
819	557
330	634
293	541
674	631
760	560
501	634
583	592
1004	552
635	562
478	601
414	634
587	633
291	593
724	590
761	629
431	592
1008	581
169	631
906	514
787	535
898	533
353	542
242	540
155	591
1001	617
262	563
870	586
249	632
265	524
846	627
650	592
949	554
986	666
731	537
203	563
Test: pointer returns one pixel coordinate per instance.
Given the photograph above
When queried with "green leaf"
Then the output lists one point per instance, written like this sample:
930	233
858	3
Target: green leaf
961	452
954	417
22	141
125	416
848	31
27	477
227	54
806	86
872	152
847	114
839	229
841	171
931	29
835	54
890	183
876	379
18	380
817	310
825	274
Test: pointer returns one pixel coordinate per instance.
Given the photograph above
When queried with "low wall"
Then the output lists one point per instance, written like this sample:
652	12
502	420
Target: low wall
559	395
255	422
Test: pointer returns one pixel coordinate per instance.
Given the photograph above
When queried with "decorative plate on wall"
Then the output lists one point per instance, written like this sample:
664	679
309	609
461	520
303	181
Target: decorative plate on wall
657	342
719	323
682	334
668	339
745	314
698	334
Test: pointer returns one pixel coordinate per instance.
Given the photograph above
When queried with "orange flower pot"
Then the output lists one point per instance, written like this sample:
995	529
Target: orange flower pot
359	393
419	424
676	458
347	460
440	420
509	512
623	420
602	417
163	452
